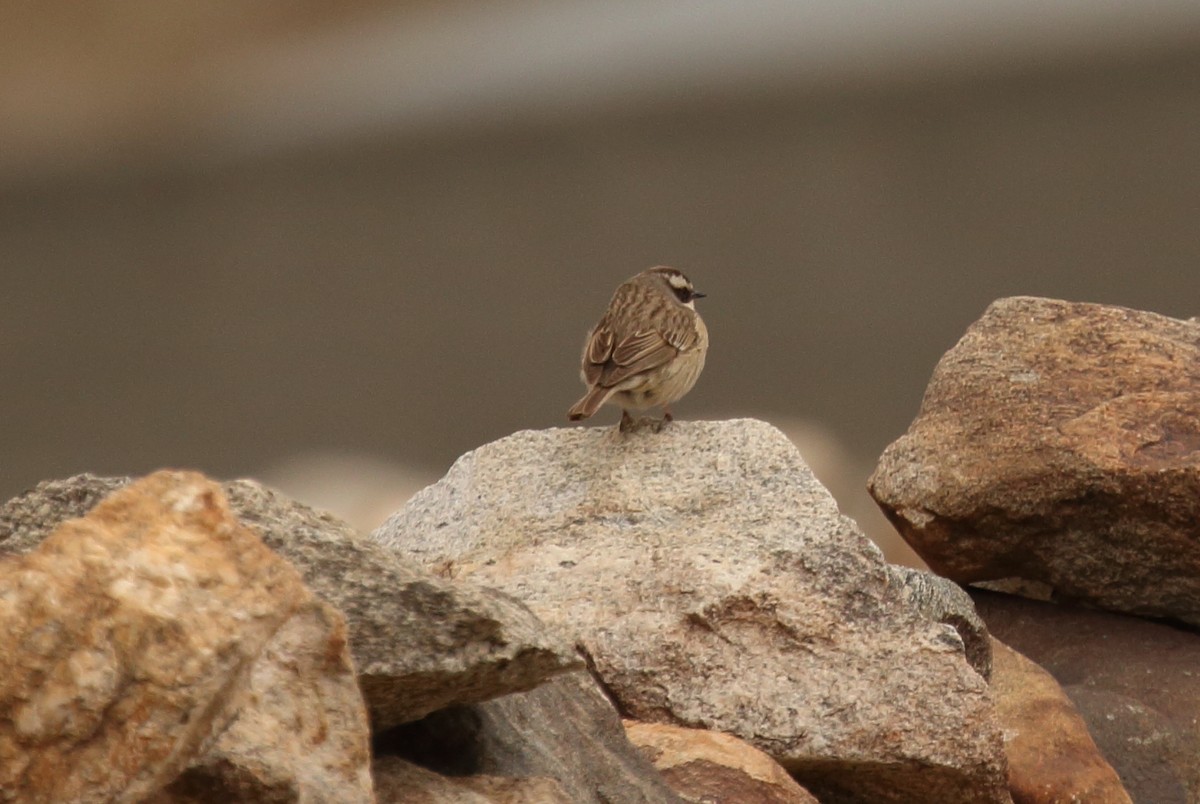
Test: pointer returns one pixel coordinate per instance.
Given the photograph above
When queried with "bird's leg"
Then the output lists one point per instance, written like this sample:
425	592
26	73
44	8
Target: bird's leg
626	421
666	419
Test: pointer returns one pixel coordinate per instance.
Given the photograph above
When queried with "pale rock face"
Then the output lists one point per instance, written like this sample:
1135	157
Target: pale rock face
713	583
158	634
1059	443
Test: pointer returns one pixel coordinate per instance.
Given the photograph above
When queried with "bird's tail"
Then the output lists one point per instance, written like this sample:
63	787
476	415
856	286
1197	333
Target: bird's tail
590	403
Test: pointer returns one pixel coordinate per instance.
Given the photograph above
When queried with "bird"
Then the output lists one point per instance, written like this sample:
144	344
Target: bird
648	349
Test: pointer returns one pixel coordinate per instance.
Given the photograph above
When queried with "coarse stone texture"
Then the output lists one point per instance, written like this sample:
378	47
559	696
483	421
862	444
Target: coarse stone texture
134	639
1136	684
419	642
1051	755
943	601
302	733
565	730
705	766
400	782
30	517
1059	442
714	584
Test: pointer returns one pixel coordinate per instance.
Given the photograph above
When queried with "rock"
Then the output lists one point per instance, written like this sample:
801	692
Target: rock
706	766
943	601
29	518
714	584
461	643
401	782
138	638
1051	755
1059	442
841	470
419	642
302	734
1136	684
565	730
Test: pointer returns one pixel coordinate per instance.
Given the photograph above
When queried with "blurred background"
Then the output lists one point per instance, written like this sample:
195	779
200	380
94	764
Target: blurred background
334	246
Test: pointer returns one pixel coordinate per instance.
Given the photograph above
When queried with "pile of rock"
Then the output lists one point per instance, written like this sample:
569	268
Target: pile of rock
589	616
192	642
1056	455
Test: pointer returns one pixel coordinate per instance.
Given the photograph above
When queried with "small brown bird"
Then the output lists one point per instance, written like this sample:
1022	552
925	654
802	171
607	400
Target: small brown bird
647	350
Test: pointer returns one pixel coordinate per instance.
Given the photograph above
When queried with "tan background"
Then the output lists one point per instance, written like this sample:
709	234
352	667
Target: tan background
234	243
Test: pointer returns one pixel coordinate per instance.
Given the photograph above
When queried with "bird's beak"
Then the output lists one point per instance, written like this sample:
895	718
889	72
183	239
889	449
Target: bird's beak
696	295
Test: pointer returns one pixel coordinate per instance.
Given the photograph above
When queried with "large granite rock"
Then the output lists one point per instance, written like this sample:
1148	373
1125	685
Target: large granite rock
419	642
159	633
1059	442
1051	756
565	730
1136	684
714	584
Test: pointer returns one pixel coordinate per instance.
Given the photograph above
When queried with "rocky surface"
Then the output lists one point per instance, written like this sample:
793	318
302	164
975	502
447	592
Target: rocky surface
159	633
400	782
714	584
1051	756
566	730
462	643
943	601
1060	442
158	647
302	733
1136	684
705	766
28	518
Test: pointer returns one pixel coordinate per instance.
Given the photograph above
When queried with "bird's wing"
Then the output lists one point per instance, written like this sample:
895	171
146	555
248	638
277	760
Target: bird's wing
608	362
648	349
612	357
597	352
638	352
679	329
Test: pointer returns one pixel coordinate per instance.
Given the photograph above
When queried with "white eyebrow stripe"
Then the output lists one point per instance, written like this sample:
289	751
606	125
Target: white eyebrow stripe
677	281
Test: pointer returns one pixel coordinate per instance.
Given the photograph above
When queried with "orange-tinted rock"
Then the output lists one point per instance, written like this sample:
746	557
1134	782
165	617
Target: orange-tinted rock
138	640
706	766
1134	682
462	643
401	782
1051	756
1059	442
302	733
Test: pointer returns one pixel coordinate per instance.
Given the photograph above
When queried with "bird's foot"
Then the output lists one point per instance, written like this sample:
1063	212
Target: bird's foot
630	425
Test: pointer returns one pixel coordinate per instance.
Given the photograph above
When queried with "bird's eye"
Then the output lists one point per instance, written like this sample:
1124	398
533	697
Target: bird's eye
684	294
